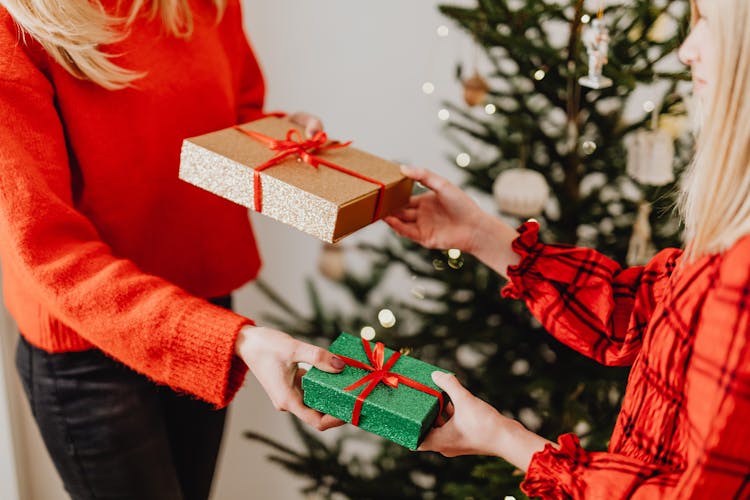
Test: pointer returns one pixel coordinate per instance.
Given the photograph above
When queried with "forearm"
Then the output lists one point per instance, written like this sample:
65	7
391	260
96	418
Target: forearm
516	444
492	244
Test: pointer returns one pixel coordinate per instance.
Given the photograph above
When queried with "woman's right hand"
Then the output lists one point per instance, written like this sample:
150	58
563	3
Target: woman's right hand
272	356
448	218
444	218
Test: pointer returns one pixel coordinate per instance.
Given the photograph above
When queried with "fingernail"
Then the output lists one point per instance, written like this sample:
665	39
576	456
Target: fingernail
406	169
437	376
338	363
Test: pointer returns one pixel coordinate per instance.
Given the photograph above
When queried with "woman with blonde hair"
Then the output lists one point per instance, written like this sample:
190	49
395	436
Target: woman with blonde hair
682	321
118	274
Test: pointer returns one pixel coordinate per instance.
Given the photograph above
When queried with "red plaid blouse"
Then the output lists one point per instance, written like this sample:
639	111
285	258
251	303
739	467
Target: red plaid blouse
684	427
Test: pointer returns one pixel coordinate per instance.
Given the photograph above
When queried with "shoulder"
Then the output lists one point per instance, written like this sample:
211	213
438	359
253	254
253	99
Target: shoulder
734	271
21	57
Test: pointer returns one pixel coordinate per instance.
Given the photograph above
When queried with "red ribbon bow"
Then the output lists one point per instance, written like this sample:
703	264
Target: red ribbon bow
380	372
294	144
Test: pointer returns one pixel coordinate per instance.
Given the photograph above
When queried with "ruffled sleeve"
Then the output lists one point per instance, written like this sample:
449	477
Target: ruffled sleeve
567	471
585	299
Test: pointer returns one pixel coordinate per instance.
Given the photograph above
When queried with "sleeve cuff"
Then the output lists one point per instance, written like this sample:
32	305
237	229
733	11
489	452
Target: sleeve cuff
207	365
552	468
528	246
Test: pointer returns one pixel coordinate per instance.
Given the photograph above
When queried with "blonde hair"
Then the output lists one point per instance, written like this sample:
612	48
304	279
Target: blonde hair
73	32
715	197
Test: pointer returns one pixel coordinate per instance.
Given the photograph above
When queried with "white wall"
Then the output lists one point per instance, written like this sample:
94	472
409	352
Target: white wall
360	66
8	477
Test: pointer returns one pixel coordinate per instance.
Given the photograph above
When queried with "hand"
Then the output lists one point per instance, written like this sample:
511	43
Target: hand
448	218
311	124
444	218
272	356
474	427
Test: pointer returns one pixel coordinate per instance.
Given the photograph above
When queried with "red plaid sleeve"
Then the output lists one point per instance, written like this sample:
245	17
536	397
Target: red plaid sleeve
585	299
714	416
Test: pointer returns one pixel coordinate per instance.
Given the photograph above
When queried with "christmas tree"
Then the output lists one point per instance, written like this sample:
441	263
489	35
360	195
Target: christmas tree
568	149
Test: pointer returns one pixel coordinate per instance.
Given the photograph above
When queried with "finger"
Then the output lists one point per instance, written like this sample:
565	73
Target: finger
311	417
404	229
433	440
450	409
406	214
319	358
430	179
451	385
446	415
329	422
313	126
440	420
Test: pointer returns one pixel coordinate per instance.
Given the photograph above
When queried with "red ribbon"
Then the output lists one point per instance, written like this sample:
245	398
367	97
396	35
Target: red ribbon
294	144
380	372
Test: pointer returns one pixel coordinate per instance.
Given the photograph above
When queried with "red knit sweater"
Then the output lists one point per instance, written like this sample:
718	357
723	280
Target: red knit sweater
101	244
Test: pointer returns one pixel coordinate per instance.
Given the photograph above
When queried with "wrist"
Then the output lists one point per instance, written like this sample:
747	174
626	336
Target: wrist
244	339
483	226
506	434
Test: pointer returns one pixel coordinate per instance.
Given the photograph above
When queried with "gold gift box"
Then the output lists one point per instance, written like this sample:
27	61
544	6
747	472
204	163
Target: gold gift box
322	201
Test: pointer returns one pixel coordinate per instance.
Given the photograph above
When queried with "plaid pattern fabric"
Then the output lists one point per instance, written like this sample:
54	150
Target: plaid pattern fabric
684	427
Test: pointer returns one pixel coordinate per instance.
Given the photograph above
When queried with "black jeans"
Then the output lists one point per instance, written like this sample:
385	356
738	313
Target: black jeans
114	434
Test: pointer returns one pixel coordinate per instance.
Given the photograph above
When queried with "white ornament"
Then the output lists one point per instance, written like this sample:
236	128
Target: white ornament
651	156
331	262
520	192
640	248
596	41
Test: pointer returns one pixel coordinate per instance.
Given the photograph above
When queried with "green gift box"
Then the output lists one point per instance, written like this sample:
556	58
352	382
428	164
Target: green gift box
398	399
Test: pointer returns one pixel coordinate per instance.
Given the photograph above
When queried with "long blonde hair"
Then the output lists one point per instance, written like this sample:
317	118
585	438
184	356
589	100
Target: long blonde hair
715	197
73	32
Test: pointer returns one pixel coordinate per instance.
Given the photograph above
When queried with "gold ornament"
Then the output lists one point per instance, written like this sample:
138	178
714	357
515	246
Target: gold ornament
640	248
331	262
476	89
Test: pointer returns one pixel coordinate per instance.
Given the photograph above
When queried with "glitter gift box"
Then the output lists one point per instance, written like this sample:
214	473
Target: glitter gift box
324	188
394	398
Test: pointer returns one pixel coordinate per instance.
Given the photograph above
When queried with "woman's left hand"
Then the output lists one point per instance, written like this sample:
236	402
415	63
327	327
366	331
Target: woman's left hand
311	123
473	428
476	428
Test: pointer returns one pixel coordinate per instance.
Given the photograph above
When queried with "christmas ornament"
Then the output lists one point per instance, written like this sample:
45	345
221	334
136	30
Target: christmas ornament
331	262
640	248
596	41
651	156
476	89
520	192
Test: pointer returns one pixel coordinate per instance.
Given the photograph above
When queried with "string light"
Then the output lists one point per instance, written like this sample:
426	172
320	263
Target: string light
588	147
443	30
444	114
585	19
386	318
428	88
463	160
649	106
490	109
454	253
367	333
539	74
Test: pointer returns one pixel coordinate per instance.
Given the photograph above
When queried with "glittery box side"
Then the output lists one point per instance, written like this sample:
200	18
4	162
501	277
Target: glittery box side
403	415
234	181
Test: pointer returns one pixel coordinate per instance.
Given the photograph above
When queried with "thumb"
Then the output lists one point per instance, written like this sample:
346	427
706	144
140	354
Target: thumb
318	357
450	384
431	180
314	125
